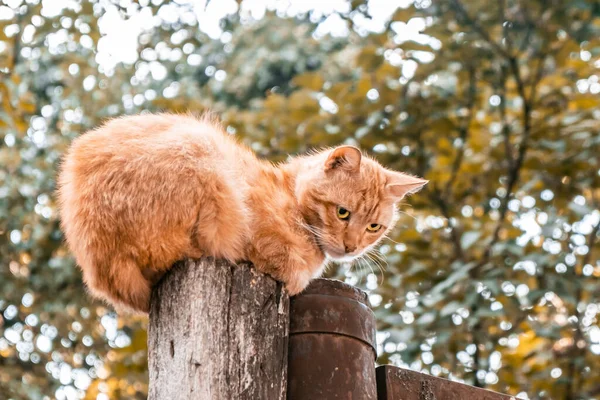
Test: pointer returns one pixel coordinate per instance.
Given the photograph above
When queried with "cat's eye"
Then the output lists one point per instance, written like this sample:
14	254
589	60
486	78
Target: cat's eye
374	227
342	213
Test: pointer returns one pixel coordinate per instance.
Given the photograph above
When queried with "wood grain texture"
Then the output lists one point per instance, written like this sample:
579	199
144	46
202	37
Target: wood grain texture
402	384
218	331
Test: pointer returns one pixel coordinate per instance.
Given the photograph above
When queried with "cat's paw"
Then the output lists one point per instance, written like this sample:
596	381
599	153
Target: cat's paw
297	283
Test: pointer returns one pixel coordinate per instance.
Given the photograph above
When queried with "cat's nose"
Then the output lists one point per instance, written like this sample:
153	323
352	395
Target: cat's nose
349	248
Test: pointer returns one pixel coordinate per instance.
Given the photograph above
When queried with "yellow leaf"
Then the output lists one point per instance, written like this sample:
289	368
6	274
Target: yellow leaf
311	80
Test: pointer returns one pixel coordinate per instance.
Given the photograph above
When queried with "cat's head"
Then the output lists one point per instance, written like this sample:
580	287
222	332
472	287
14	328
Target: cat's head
349	201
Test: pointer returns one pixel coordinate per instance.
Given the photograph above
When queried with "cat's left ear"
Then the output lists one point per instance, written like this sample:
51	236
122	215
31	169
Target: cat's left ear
344	157
400	185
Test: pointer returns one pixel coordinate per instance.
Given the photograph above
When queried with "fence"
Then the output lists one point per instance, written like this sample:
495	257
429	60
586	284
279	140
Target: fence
224	332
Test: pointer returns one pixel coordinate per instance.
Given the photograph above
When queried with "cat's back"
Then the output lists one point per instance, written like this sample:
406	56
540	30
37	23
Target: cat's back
148	136
155	152
158	149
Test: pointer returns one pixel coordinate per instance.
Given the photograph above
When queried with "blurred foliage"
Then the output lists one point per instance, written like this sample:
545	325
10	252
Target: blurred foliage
492	275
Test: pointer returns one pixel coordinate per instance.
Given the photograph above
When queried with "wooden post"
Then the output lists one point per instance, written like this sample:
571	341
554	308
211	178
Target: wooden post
219	332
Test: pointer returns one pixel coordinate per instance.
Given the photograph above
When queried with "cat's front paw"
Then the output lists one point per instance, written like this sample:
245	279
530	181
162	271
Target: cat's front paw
297	283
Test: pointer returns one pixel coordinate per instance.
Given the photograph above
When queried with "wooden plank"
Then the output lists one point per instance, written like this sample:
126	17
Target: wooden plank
395	383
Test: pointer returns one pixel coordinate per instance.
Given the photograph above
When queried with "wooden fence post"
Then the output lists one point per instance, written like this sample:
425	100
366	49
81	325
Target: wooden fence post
218	332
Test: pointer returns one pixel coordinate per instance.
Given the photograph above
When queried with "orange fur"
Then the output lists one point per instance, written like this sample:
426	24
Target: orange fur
141	192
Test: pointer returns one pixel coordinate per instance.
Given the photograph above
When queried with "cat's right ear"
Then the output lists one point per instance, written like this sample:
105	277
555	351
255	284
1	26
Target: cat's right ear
346	158
400	185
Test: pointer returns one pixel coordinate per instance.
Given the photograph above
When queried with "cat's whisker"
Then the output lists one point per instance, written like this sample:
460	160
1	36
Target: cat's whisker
370	269
374	261
386	237
314	230
361	272
378	259
319	234
367	263
357	271
405	213
381	257
383	269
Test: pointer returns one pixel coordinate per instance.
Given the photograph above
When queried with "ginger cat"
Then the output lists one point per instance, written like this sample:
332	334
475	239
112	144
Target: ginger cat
142	192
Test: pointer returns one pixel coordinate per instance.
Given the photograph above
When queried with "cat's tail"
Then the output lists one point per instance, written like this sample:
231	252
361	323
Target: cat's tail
122	284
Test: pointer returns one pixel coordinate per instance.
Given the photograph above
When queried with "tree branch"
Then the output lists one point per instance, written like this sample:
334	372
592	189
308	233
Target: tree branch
503	118
441	196
478	28
515	169
18	40
579	35
463	132
438	199
515	164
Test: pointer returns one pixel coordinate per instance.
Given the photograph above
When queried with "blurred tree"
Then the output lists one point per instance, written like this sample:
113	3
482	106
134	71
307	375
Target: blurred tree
494	278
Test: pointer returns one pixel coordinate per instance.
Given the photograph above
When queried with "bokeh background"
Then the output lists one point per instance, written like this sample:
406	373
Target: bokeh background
491	277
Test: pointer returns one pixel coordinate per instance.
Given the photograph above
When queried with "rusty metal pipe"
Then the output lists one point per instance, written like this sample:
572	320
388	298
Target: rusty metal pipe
332	344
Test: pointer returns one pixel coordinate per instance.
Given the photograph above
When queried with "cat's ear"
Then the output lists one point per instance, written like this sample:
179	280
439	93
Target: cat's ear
344	157
399	184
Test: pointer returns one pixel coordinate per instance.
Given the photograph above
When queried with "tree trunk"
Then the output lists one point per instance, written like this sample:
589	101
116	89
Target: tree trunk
218	331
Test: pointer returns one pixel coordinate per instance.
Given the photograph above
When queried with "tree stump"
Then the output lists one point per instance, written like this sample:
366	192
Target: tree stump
218	332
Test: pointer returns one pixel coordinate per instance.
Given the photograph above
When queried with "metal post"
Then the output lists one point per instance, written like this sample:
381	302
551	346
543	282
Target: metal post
332	344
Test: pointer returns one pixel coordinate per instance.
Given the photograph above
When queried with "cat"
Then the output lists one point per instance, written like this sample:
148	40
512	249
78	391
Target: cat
141	192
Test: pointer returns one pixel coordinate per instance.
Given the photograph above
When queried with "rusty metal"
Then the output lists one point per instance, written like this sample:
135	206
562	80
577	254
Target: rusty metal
332	344
401	384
